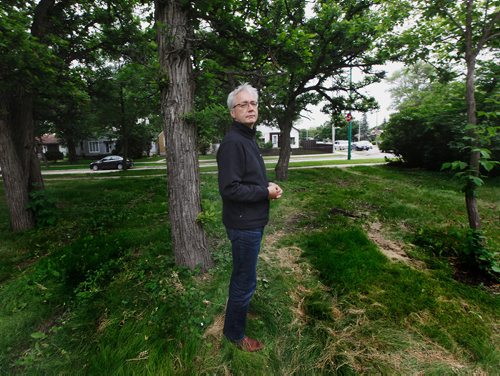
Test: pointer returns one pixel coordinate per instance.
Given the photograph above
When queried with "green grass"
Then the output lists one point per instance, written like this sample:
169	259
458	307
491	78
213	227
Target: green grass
98	293
156	168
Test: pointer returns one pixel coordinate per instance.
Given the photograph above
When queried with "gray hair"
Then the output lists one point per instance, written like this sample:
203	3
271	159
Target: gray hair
243	87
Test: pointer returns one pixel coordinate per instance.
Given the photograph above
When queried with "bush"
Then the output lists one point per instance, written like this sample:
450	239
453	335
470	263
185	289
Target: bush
43	206
427	130
54	155
429	127
267	145
467	246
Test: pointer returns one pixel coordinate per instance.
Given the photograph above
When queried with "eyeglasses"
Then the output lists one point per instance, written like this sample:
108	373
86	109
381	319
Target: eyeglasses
245	105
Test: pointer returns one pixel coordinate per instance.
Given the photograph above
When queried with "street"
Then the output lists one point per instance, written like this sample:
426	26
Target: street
161	165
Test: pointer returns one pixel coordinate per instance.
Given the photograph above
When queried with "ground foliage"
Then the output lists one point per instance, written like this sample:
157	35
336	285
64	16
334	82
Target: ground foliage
98	291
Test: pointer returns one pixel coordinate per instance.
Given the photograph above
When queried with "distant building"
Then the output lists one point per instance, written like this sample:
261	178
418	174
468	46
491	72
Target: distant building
50	143
96	146
273	135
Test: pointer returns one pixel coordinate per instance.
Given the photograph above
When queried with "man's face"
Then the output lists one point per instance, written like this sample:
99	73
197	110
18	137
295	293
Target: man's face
245	109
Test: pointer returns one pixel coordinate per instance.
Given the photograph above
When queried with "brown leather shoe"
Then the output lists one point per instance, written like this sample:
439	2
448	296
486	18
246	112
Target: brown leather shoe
249	344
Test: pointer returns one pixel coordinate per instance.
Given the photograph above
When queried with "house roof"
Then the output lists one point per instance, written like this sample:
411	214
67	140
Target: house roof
273	128
49	138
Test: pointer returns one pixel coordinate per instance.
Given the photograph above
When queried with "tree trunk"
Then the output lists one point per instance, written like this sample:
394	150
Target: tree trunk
285	124
281	169
72	157
470	60
18	159
124	128
177	101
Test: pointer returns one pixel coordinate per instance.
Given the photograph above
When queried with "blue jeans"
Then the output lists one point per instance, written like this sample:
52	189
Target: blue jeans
245	249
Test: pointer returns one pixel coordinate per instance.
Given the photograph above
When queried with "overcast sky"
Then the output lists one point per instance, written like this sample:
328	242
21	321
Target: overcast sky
379	91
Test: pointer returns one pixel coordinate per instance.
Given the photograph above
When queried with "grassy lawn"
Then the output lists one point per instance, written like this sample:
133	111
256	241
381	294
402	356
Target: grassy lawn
84	163
206	162
357	275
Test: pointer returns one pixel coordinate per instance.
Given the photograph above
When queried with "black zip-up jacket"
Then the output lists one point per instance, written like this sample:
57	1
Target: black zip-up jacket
242	180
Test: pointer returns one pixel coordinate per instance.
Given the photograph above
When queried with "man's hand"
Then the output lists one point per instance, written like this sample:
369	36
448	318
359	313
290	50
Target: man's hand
275	191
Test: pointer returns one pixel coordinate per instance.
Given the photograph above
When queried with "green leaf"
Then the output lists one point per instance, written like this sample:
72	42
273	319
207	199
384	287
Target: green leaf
487	165
476	181
459	165
445	166
38	335
485	153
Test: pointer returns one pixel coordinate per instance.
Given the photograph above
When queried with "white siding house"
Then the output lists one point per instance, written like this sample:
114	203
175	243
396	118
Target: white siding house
273	135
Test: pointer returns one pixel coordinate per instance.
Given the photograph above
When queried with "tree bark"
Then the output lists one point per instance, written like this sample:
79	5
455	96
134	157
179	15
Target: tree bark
470	60
281	169
124	128
17	156
18	159
72	157
177	101
285	125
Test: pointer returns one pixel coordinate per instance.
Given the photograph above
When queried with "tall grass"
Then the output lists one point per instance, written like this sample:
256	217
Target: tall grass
98	292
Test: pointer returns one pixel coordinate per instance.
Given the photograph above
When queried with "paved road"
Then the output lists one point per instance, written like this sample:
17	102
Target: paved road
160	165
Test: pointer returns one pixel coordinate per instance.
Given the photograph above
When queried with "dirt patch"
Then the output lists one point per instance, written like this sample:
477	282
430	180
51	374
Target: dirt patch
392	249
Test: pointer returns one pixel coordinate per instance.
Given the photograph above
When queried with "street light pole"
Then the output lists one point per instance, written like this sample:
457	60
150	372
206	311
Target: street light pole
349	128
333	137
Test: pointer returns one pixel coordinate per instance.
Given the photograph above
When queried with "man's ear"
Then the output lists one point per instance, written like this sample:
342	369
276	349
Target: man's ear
232	114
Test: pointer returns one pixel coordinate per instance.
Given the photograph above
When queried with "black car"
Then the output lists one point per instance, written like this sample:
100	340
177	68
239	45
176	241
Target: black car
111	162
362	145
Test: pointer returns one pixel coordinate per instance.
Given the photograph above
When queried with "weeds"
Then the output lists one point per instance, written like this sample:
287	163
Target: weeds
43	207
98	292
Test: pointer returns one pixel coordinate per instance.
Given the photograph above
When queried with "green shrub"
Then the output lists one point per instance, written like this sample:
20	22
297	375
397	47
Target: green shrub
90	259
43	206
467	246
425	128
479	256
54	155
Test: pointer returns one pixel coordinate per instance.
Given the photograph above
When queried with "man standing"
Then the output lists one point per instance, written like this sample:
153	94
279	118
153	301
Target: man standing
245	193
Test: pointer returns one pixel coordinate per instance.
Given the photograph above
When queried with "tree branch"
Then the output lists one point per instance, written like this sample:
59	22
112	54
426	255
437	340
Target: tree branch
446	13
487	32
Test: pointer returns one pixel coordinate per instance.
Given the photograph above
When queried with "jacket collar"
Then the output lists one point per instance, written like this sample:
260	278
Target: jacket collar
243	129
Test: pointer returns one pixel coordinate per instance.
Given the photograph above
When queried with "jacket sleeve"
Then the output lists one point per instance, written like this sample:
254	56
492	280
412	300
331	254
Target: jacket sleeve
231	160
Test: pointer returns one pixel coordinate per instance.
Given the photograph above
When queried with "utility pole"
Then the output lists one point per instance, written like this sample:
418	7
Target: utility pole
333	137
349	118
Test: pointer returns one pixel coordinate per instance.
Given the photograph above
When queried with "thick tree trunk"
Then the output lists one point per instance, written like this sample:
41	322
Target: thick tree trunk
281	169
20	165
470	60
285	124
72	157
177	101
18	159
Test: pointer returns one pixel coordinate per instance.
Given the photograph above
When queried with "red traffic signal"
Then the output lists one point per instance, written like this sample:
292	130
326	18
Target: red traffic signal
348	117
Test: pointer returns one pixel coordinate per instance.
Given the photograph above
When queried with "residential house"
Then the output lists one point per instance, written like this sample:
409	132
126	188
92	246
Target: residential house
50	143
95	147
273	135
269	134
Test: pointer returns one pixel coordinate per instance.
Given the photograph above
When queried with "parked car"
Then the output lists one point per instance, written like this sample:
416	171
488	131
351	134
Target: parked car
341	144
111	162
362	145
